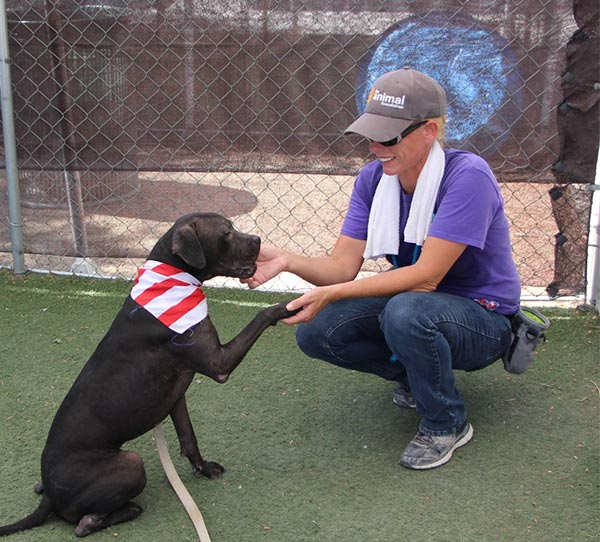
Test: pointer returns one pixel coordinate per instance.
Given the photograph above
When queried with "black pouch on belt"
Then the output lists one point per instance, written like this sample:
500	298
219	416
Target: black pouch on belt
528	331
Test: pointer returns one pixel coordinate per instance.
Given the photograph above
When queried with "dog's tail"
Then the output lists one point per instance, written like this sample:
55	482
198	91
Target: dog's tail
37	517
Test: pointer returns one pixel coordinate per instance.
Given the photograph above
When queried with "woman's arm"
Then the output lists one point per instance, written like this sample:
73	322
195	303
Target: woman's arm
342	265
437	257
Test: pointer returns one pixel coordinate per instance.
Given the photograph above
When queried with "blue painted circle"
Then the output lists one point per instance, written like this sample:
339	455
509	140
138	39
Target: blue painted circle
472	63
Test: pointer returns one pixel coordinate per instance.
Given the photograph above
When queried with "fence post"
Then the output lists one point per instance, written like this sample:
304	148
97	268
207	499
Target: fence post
10	149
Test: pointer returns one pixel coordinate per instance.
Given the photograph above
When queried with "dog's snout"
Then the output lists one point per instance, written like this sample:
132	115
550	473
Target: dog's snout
252	246
255	239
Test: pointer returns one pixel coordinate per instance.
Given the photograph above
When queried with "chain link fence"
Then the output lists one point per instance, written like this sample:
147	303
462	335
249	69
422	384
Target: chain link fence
130	113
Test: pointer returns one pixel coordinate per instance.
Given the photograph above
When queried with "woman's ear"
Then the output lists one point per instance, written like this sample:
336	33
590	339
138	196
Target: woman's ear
431	131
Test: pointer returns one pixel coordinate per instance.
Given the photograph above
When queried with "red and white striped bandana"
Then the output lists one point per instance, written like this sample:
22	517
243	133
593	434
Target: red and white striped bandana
171	295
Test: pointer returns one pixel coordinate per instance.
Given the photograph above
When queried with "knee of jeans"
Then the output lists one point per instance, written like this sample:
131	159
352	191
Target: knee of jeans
400	314
309	340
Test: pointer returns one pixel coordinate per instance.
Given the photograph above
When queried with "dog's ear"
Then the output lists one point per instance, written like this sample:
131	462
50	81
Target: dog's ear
186	245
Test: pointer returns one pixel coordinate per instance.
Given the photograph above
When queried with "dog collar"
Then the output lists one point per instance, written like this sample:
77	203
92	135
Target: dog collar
171	295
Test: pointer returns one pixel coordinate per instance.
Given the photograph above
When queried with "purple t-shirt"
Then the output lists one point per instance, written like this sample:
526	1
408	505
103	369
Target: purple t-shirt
469	210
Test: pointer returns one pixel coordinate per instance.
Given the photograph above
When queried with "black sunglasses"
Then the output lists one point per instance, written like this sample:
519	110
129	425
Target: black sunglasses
406	132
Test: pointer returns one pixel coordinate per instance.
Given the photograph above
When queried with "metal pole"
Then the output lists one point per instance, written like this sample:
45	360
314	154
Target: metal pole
15	219
68	130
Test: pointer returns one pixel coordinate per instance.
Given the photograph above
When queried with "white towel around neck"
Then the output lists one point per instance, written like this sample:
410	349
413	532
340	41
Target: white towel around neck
383	236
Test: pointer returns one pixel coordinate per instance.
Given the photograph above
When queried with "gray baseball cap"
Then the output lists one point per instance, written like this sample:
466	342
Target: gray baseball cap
398	99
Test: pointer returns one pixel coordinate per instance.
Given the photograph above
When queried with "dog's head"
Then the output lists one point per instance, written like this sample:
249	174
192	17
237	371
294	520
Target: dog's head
207	245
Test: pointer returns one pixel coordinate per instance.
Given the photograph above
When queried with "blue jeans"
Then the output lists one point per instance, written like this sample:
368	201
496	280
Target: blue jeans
428	334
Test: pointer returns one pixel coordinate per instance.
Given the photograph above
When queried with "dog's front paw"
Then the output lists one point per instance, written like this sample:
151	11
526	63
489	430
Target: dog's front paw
289	314
280	312
210	469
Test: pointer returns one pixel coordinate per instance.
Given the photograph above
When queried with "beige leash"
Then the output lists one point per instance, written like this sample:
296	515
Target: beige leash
176	483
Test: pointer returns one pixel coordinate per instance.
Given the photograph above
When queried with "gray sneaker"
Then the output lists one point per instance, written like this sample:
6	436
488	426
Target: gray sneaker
427	452
403	397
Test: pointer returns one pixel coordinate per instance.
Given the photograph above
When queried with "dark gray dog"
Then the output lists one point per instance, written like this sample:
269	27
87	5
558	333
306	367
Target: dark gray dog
137	376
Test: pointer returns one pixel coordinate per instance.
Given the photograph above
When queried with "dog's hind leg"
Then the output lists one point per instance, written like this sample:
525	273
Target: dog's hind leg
189	444
91	523
97	489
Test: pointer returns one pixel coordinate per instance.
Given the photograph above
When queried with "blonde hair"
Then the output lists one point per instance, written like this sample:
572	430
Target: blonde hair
441	123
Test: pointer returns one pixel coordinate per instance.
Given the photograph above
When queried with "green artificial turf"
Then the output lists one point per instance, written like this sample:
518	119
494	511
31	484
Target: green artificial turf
310	450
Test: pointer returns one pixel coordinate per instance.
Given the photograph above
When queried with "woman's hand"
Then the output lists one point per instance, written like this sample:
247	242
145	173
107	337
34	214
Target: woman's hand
270	262
310	304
